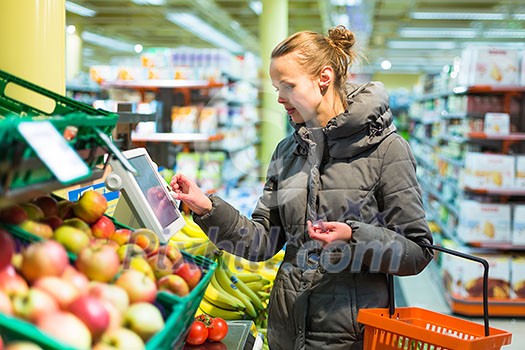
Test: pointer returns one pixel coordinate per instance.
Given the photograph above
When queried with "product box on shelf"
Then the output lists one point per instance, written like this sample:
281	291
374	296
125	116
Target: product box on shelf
490	171
517	280
489	66
464	278
520	171
484	222
518	225
497	123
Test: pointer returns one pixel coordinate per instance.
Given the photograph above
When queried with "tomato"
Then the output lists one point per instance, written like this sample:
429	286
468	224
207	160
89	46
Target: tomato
217	330
198	333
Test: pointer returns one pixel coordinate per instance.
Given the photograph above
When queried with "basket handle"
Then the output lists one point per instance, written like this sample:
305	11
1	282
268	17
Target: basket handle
390	281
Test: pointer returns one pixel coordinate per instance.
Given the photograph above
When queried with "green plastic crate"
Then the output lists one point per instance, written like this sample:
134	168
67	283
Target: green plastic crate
19	165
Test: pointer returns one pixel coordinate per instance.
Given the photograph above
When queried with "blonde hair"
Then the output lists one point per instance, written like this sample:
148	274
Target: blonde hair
314	51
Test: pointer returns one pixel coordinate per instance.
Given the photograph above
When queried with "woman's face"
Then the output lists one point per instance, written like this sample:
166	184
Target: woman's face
298	91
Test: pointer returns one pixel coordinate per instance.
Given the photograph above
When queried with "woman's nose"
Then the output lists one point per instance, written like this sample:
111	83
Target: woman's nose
281	99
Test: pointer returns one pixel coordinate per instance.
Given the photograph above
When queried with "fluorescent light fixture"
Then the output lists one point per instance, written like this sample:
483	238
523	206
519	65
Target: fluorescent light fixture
386	64
475	16
519	16
79	10
203	30
149	2
256	7
110	43
138	48
346	2
437	33
438	45
504	33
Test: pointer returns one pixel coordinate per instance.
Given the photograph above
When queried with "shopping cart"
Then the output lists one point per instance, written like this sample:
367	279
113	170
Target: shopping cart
413	328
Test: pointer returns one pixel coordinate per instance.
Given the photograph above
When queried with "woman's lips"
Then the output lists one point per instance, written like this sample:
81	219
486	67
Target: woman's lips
290	110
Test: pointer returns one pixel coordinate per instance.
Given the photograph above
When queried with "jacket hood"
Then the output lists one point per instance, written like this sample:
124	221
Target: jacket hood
365	123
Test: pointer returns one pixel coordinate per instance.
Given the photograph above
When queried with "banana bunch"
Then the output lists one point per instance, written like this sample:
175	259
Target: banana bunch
234	296
192	239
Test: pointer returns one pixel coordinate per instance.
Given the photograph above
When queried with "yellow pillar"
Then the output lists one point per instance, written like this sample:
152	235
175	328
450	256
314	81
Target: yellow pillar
32	41
73	52
273	28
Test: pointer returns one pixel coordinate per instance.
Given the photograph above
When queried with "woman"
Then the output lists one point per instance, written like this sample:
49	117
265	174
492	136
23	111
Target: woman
341	192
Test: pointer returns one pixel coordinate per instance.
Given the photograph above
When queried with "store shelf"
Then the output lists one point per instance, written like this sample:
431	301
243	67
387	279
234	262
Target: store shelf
175	137
162	84
507	192
497	307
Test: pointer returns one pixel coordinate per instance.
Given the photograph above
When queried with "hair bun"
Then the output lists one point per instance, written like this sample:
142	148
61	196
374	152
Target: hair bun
342	38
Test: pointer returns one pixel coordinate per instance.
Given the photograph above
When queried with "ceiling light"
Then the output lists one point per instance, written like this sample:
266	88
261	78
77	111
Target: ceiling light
439	45
110	43
70	29
386	64
149	2
504	33
437	33
256	6
346	2
204	31
138	48
79	10
519	16
475	16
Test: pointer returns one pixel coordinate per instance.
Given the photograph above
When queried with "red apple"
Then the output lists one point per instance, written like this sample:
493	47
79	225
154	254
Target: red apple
172	252
61	290
161	265
48	204
103	227
80	224
45	258
174	284
92	312
76	278
11	282
33	211
114	294
53	221
90	206
98	261
121	236
190	272
123	339
36	228
144	319
146	239
138	286
65	209
115	316
7	249
65	327
6	307
33	304
13	215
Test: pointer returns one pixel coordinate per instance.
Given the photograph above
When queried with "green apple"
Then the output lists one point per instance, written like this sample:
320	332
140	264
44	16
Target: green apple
144	319
121	339
72	238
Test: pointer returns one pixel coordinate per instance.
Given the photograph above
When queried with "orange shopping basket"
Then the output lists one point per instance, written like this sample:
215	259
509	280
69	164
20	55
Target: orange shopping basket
412	328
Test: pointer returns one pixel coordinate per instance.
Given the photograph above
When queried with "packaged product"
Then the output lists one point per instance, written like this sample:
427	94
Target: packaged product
483	170
520	172
517	281
518	225
484	222
489	66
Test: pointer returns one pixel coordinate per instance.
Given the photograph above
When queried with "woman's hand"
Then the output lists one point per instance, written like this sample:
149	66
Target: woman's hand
187	191
328	232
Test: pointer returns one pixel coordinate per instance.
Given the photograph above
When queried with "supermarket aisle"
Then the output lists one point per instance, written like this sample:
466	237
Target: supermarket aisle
422	291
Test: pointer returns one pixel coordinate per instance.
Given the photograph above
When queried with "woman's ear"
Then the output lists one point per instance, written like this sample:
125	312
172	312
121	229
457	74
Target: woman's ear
326	77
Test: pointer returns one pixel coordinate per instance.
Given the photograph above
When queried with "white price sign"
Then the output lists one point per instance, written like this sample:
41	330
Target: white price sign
54	151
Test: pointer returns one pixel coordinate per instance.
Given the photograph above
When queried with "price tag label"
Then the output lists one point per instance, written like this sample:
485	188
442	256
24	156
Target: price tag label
54	151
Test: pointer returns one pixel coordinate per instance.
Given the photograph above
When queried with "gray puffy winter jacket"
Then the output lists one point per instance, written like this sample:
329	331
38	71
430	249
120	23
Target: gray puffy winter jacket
355	170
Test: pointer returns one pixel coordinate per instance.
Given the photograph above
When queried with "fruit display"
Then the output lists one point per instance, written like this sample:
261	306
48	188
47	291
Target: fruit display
108	286
239	289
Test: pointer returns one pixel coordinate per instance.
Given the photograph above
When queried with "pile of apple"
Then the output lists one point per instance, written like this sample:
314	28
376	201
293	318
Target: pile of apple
105	298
